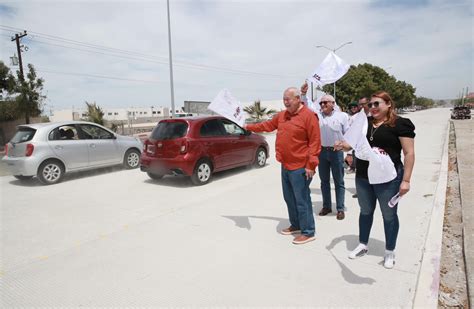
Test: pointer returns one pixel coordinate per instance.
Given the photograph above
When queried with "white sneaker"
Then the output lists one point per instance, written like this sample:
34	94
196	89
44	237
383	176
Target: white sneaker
389	259
361	250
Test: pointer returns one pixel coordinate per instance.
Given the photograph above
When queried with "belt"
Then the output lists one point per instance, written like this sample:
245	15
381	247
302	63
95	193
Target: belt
328	148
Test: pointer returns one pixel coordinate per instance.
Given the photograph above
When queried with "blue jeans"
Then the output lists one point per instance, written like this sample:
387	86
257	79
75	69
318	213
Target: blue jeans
332	161
297	196
367	196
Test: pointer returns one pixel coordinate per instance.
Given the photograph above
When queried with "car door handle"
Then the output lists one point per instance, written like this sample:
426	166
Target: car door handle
58	147
92	145
207	143
234	142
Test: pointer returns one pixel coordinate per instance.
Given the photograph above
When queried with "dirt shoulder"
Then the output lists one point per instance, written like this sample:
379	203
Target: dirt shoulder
453	291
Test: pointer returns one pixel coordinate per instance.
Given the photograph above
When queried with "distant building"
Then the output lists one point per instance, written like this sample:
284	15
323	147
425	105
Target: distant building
197	107
115	114
469	100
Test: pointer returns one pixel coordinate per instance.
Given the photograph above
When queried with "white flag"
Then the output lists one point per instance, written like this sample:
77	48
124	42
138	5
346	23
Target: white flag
226	105
381	168
330	70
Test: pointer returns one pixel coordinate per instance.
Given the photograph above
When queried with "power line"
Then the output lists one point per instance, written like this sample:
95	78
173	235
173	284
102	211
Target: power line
98	76
46	70
142	55
189	66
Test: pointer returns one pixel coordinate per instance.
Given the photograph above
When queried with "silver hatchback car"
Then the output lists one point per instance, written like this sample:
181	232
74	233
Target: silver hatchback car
49	150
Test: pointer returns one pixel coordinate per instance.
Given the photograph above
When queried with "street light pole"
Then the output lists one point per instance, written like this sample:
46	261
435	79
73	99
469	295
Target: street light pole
334	51
171	59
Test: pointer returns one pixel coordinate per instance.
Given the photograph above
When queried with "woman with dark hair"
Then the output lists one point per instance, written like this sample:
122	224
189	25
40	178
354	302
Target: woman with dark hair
393	134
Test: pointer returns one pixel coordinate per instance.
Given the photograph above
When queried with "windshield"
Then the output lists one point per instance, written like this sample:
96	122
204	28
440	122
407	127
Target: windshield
169	130
23	135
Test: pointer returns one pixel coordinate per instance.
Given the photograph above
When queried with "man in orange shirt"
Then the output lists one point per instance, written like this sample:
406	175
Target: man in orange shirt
297	147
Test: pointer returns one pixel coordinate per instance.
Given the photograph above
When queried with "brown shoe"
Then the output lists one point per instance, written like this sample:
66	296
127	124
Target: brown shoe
302	239
325	211
340	215
290	230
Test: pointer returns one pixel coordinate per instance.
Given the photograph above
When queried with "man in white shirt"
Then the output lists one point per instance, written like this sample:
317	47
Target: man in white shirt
333	124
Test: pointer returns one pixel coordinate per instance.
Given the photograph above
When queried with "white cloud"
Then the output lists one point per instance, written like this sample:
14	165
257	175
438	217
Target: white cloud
428	45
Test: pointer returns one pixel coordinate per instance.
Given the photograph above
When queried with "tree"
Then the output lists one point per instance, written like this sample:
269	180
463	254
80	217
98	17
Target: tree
8	106
30	97
7	80
424	102
94	113
365	79
257	112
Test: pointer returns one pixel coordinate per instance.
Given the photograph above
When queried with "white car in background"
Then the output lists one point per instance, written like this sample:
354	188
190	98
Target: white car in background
49	150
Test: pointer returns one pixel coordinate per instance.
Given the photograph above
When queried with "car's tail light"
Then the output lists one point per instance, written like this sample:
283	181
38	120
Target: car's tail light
150	149
29	150
6	150
184	147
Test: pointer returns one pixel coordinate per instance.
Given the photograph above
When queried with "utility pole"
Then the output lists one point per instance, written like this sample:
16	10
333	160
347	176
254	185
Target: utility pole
171	60
18	48
20	62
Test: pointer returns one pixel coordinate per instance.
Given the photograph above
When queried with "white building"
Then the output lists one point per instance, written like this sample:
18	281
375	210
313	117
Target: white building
114	114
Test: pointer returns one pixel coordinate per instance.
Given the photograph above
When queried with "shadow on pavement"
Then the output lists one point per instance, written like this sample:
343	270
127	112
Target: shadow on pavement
244	221
351	242
185	182
376	246
34	182
317	191
350	276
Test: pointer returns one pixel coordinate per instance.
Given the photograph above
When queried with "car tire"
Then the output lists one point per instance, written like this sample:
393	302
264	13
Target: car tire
202	172
50	172
22	178
155	176
131	159
260	157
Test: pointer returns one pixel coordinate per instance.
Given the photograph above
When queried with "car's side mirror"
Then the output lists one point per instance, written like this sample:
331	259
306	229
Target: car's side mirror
247	132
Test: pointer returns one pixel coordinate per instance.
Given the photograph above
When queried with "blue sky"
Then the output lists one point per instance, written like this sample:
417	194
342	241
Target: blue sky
116	52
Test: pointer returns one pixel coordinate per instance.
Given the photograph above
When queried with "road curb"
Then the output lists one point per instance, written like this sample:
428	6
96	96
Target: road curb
427	286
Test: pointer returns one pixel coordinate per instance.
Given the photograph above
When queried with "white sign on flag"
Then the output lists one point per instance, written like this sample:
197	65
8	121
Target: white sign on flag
329	71
227	106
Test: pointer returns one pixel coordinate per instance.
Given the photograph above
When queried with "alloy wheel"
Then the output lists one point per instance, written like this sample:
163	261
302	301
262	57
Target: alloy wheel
51	172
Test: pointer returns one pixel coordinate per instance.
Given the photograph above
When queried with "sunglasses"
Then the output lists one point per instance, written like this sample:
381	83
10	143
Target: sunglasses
374	104
324	102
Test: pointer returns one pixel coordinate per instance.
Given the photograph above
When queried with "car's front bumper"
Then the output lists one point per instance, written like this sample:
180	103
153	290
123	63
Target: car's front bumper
24	166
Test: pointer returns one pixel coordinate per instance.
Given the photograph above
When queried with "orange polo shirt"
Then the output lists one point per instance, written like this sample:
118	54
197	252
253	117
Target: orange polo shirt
298	140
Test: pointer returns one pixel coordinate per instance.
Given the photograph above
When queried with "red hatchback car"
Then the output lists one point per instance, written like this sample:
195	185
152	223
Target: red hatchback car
200	146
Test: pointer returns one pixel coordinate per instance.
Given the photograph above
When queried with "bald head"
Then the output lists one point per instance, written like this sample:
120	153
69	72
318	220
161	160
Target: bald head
292	99
292	91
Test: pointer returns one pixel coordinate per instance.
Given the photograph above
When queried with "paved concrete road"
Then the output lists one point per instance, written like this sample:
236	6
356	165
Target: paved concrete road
119	239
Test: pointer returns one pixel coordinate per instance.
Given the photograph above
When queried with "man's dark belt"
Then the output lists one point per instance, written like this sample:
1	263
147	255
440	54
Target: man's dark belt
327	148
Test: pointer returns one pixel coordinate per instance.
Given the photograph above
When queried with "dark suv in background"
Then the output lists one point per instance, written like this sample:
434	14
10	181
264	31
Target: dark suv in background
199	146
461	112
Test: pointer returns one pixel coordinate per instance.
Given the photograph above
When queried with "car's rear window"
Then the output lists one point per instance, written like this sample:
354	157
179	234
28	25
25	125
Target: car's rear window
23	135
169	130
